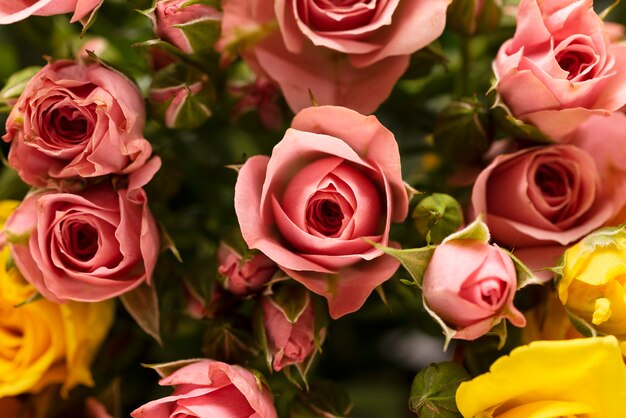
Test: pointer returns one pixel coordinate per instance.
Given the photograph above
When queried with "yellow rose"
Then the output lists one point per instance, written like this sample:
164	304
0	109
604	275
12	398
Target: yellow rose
573	378
43	343
591	284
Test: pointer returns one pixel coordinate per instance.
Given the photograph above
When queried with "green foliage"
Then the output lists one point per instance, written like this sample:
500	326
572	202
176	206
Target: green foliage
434	389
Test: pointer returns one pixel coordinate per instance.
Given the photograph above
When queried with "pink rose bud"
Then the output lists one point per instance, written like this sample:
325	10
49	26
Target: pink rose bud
470	285
89	246
182	96
209	388
289	342
190	27
15	10
76	120
560	67
244	276
260	95
95	409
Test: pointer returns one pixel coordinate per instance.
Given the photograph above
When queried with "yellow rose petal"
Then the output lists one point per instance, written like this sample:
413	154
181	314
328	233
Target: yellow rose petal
602	311
543	409
587	371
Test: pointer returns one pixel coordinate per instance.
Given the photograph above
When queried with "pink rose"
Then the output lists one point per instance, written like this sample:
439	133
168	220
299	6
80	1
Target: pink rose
289	342
89	246
170	15
561	66
346	53
331	184
14	10
95	409
76	120
470	285
209	388
244	276
540	196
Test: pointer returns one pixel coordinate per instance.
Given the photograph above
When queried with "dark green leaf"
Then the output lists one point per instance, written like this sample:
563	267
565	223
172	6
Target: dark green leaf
434	390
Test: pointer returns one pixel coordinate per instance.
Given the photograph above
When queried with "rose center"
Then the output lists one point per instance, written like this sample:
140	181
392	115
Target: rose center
69	125
325	216
81	239
491	291
551	181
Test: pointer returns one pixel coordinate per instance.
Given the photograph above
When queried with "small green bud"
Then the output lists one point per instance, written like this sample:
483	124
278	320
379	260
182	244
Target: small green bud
437	216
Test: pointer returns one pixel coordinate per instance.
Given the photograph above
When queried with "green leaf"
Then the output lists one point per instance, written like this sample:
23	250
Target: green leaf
166	369
292	299
604	13
258	330
201	34
462	132
448	332
414	260
525	276
500	331
15	85
167	243
582	326
325	399
434	390
142	304
477	230
516	128
32	298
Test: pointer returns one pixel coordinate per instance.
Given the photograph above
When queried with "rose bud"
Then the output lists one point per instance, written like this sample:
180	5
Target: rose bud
244	275
208	388
290	340
182	96
76	120
12	11
88	246
437	216
470	285
190	27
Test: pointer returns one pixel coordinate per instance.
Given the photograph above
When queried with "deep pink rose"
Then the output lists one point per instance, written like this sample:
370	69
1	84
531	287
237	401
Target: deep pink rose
543	195
289	343
170	15
244	276
89	246
470	285
211	388
348	53
561	66
14	10
331	184
76	120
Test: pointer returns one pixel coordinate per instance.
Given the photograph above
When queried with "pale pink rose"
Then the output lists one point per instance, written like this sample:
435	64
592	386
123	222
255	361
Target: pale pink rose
169	15
470	285
542	196
346	53
289	343
15	10
561	66
244	276
88	246
76	120
332	183
211	388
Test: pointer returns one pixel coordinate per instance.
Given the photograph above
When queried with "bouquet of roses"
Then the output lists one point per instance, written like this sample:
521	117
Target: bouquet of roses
312	208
